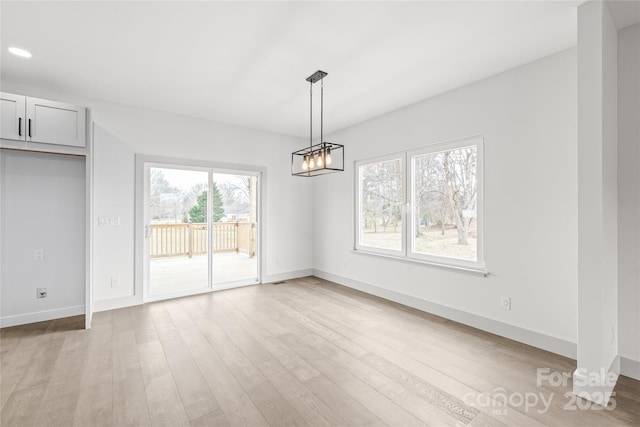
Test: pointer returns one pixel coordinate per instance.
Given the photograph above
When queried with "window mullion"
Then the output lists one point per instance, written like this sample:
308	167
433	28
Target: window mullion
406	205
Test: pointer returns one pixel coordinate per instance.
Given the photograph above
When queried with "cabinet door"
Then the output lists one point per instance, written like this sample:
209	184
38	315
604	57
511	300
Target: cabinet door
12	116
51	122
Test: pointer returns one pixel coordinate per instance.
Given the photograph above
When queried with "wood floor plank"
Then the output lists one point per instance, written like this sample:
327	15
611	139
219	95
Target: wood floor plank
305	352
273	407
441	407
376	403
237	406
22	406
347	408
215	418
288	308
39	370
142	324
263	333
194	391
95	404
129	397
270	363
163	399
13	364
58	404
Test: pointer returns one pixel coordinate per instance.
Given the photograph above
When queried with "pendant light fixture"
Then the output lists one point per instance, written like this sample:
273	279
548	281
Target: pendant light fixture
323	157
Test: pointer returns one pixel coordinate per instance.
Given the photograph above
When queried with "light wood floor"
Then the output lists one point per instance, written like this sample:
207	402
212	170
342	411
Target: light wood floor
306	352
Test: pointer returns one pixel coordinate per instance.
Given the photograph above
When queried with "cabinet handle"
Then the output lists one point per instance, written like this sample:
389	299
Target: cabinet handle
29	128
19	126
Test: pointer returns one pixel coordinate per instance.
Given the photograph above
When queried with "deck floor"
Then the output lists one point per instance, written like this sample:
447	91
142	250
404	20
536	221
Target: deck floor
174	274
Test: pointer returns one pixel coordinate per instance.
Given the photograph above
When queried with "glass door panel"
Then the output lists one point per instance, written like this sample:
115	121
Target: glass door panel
178	230
234	238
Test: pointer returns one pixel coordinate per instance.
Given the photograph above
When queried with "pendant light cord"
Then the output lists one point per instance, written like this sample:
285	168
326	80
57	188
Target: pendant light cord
321	110
310	116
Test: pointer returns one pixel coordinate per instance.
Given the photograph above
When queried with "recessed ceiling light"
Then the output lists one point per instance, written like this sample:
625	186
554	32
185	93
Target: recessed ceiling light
20	52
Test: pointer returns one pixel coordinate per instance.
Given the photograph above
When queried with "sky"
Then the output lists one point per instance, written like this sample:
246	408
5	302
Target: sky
185	179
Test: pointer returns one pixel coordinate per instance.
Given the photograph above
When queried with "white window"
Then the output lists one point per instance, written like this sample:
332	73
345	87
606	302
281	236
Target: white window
423	205
381	205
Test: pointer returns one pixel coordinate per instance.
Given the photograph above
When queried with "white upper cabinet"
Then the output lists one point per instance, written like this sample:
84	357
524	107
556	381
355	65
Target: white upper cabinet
40	121
52	122
12	116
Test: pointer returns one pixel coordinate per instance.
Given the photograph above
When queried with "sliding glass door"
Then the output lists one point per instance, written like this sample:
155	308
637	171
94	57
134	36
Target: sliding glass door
201	229
234	228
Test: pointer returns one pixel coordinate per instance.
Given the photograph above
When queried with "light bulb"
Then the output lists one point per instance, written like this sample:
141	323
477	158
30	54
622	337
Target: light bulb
312	163
305	166
320	162
327	158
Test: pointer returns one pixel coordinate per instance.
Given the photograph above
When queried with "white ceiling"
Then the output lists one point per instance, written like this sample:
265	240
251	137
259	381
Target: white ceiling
245	63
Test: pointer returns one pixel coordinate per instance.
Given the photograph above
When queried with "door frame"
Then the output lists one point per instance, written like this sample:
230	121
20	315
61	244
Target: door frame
142	182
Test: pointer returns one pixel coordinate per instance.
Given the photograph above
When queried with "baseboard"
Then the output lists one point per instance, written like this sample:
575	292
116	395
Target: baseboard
516	333
128	301
41	316
115	303
597	387
630	368
288	275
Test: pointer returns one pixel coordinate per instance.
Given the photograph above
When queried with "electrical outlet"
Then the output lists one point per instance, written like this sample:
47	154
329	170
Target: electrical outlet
38	255
505	303
115	282
41	293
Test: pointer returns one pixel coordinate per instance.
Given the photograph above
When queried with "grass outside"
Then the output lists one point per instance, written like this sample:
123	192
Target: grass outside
431	242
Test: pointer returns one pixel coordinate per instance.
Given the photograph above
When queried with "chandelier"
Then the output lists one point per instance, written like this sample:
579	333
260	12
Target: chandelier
321	158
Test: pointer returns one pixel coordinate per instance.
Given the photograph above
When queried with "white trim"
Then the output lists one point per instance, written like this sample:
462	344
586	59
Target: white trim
357	205
41	316
288	275
89	166
201	290
115	303
473	270
597	387
516	333
630	367
233	285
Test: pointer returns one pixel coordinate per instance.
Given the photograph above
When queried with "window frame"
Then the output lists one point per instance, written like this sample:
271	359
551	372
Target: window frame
407	252
358	214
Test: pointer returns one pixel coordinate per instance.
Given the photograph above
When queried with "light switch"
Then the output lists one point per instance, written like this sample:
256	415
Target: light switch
38	255
108	220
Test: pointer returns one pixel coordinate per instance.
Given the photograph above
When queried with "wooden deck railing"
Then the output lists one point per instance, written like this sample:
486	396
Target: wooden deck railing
191	239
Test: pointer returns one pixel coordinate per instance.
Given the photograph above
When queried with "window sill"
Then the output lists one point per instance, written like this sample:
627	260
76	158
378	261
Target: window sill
480	271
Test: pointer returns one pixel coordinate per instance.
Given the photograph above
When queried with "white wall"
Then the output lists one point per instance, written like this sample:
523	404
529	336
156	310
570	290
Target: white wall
629	197
528	119
42	198
122	131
